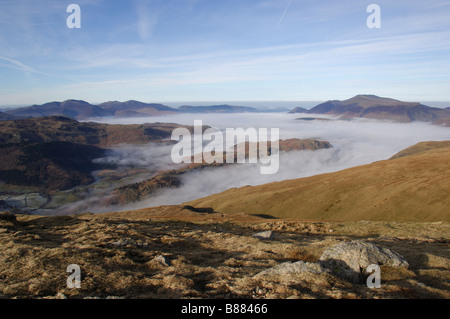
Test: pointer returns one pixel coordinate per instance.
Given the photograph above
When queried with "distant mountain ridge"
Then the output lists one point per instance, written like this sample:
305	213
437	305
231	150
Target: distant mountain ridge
363	106
82	110
299	109
223	108
75	109
375	107
134	108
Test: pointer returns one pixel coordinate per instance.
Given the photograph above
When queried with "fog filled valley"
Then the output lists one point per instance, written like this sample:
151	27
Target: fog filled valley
354	142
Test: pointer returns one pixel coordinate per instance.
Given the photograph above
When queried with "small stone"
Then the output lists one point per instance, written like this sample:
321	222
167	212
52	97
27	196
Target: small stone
124	242
268	234
162	260
60	295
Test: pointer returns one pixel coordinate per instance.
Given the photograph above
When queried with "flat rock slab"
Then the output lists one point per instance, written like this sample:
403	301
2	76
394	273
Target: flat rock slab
268	234
349	260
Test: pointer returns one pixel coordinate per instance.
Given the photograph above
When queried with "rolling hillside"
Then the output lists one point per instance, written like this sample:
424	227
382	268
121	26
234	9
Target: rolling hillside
82	110
49	165
56	153
8	117
420	148
59	128
415	187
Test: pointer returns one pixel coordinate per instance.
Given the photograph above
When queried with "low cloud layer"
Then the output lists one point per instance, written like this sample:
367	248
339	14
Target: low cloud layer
151	156
355	142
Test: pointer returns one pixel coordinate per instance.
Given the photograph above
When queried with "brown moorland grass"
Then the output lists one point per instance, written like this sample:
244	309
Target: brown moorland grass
210	256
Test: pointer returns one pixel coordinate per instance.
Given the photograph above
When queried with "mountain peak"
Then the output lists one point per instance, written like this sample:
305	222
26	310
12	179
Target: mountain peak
366	98
75	101
370	96
375	107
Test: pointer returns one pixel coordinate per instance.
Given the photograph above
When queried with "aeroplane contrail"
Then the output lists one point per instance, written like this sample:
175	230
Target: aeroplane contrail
284	13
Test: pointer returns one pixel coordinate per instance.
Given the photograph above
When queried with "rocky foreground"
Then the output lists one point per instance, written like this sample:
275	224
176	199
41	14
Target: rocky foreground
146	254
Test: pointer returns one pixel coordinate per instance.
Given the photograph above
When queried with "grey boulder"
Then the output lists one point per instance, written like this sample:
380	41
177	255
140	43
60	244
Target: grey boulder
349	260
268	234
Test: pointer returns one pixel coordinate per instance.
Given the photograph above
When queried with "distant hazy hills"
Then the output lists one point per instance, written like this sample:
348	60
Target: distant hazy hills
135	109
70	108
8	117
415	186
372	106
299	110
56	153
224	108
366	106
82	110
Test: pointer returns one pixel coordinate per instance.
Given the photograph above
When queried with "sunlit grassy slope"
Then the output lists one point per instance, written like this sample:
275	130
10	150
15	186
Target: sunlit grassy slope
413	187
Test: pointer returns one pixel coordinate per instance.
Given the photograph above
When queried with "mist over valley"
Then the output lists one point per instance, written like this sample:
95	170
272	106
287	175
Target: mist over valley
129	159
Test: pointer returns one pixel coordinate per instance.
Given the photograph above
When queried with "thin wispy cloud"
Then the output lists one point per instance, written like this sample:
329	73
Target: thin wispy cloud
16	64
203	43
279	62
147	19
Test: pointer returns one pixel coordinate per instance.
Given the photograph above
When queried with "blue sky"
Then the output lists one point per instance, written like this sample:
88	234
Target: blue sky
217	50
